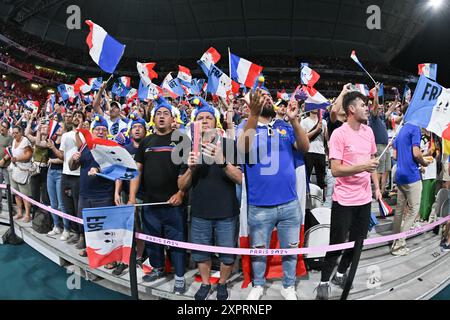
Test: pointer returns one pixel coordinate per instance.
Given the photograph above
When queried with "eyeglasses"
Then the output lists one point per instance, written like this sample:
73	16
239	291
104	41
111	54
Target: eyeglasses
100	129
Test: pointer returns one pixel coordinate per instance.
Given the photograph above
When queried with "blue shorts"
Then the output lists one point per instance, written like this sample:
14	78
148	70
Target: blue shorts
225	232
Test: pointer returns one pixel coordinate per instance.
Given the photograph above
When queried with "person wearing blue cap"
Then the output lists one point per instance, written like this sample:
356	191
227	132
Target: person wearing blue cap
269	166
159	176
214	205
95	191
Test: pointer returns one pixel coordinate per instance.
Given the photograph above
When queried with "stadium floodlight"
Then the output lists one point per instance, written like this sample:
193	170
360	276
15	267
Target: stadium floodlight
435	4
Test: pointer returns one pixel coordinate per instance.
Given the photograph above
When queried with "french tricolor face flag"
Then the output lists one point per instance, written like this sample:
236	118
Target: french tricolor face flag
115	162
184	74
244	71
81	86
210	57
66	91
108	234
429	70
429	106
53	127
104	49
308	76
146	72
218	82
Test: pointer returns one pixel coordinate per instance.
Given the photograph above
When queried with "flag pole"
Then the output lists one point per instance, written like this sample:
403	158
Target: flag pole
392	139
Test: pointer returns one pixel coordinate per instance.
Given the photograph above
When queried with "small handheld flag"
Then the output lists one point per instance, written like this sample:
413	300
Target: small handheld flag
355	58
429	70
146	72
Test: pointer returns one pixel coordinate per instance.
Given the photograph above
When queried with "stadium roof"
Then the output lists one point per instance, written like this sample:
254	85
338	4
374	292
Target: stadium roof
164	29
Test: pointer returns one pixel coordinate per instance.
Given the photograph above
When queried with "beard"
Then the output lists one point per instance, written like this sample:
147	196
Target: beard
268	112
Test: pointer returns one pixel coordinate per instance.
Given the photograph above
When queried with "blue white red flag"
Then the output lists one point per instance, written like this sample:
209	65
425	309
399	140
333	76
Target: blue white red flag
244	71
146	72
125	82
429	107
32	105
166	86
51	100
429	70
407	94
104	49
115	162
173	86
308	76
109	234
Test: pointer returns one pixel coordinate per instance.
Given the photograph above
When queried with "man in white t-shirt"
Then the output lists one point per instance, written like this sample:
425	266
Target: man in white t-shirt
70	180
316	129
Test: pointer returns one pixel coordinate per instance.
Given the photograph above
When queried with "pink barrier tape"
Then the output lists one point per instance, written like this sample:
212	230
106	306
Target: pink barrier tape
47	208
251	252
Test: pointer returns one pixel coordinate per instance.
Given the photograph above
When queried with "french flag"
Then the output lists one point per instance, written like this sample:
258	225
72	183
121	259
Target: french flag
429	70
95	83
385	209
53	127
166	86
8	151
109	234
314	100
210	57
115	162
81	86
146	72
104	49
66	91
51	99
355	58
364	89
244	71
173	86
308	76
148	92
184	74
125	82
132	95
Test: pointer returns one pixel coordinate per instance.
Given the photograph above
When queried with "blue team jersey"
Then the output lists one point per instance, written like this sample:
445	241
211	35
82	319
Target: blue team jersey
407	167
270	167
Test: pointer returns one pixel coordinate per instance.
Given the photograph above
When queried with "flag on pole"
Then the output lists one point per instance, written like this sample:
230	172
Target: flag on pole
148	92
244	71
115	162
32	105
146	72
125	82
109	234
308	76
363	88
314	100
429	70
104	49
167	87
51	100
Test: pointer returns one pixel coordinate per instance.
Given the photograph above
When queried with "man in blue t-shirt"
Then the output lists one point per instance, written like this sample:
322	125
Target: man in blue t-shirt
409	183
271	185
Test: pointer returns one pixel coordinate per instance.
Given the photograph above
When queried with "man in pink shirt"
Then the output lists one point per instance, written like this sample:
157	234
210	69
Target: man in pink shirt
353	163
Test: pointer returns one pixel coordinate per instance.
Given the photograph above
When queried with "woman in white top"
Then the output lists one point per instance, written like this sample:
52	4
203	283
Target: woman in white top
20	167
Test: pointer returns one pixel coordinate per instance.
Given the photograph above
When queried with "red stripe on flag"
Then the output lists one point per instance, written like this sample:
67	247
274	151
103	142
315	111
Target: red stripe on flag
89	37
253	73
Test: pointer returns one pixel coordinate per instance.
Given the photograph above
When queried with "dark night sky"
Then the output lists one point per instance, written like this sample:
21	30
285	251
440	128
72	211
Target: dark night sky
431	45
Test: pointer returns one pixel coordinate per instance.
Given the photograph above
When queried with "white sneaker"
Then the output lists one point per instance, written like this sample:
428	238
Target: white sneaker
289	293
65	235
256	293
54	232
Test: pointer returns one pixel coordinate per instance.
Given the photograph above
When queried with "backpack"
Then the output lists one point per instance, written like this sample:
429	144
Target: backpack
42	222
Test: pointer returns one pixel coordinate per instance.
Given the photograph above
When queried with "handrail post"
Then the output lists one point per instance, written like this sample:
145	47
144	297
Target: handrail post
355	261
10	236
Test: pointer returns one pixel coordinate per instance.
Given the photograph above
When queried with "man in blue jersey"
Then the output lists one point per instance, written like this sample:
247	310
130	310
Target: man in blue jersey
271	185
